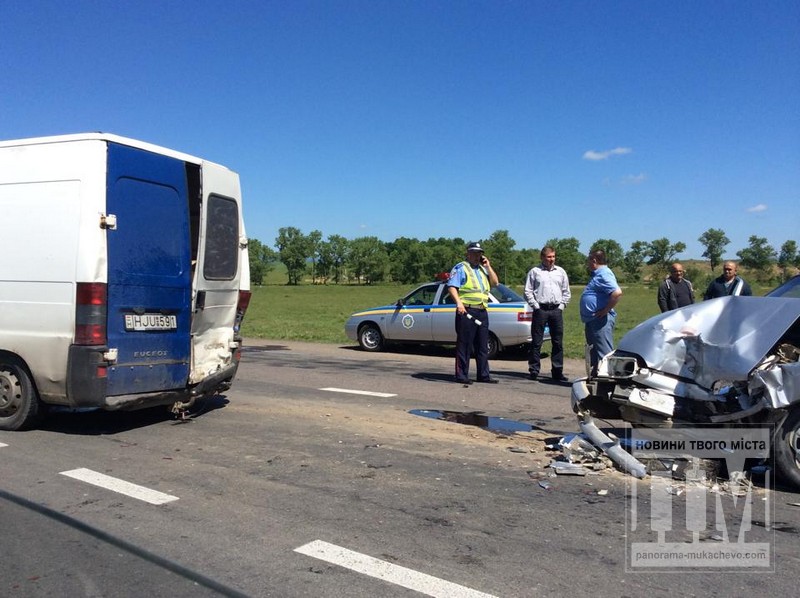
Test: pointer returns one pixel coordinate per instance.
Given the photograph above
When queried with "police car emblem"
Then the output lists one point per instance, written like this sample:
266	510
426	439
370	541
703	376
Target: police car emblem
408	321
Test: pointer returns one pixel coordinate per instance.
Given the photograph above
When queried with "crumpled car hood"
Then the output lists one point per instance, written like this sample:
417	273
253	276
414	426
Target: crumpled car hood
720	339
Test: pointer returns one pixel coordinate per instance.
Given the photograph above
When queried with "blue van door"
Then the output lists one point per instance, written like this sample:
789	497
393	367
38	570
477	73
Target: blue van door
149	272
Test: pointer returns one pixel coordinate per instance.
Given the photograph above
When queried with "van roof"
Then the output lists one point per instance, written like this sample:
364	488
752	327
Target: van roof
100	136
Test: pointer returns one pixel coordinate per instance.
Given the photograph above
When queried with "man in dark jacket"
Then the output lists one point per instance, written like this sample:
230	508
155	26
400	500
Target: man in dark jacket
727	284
675	291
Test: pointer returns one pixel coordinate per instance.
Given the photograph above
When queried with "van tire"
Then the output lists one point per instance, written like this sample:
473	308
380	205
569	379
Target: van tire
787	448
20	407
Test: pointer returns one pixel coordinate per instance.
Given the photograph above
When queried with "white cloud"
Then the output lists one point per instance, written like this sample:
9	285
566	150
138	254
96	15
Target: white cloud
758	208
595	156
634	179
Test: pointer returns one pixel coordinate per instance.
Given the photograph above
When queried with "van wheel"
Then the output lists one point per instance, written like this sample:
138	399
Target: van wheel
494	346
19	406
370	338
787	448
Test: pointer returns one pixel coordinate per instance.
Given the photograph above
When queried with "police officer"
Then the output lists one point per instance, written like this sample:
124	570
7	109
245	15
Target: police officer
469	285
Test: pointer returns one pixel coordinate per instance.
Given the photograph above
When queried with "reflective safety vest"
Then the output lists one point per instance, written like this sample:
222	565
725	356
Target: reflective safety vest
476	290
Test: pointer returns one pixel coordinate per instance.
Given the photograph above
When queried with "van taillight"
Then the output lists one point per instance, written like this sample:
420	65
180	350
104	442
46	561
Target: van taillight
241	308
244	301
91	311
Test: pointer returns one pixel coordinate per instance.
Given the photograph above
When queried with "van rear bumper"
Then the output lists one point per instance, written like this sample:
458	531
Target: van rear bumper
86	384
87	389
217	382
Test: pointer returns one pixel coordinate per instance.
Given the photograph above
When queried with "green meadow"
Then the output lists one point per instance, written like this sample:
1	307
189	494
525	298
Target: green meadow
317	313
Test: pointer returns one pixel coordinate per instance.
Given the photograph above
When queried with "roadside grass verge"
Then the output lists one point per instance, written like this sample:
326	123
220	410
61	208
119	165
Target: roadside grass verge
317	313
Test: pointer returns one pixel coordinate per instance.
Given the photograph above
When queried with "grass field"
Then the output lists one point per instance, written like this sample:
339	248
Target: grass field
318	312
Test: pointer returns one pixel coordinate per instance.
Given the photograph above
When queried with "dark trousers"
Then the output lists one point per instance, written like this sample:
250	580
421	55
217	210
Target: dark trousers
555	319
472	338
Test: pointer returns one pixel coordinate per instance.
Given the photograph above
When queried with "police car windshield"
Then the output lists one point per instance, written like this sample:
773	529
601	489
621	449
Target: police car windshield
505	295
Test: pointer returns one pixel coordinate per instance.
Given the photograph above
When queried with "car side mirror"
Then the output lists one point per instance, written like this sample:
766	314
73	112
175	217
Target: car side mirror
400	302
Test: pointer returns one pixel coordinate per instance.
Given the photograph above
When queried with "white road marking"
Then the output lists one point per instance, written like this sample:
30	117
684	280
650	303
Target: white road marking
384	395
121	486
2	445
401	576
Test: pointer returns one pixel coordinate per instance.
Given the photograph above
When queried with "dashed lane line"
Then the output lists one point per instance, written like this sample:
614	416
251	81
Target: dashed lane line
401	576
120	486
368	393
2	445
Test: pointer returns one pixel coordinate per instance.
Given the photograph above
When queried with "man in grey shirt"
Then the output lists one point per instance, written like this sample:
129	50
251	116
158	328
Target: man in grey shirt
547	292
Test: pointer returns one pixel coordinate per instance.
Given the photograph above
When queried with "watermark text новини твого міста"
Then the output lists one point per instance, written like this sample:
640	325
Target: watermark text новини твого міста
682	517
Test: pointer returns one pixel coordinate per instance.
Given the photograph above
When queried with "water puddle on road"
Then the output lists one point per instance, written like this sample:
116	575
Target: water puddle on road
476	418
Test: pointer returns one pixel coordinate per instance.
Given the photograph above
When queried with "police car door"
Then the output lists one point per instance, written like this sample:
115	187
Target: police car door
443	321
411	321
149	273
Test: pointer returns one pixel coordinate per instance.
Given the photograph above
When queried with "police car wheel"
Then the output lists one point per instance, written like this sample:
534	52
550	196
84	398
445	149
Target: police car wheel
19	406
494	346
370	338
787	448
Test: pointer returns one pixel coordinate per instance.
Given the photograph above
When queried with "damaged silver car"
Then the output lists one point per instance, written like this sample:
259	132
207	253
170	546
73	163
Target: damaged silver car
728	361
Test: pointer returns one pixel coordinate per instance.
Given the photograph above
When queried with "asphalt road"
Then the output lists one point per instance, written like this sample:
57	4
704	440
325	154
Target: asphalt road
293	484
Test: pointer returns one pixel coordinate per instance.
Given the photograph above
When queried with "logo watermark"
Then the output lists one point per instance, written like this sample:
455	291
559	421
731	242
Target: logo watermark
682	518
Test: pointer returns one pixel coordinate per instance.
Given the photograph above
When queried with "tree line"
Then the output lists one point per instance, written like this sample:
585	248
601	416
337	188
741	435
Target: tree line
368	260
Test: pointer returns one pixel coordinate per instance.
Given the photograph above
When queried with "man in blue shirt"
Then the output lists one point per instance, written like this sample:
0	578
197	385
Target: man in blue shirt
601	295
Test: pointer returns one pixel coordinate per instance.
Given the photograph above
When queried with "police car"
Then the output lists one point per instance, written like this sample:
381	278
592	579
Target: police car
427	315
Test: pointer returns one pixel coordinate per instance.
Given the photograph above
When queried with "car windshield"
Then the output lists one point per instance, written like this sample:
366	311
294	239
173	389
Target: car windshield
505	295
790	288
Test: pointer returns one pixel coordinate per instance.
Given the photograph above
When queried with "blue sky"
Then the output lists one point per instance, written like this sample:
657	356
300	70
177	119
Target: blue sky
629	120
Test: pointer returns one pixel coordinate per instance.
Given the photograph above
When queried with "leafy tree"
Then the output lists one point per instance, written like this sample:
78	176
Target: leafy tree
368	259
758	256
443	254
633	260
293	250
500	249
261	260
569	257
314	240
788	257
409	260
524	260
333	256
715	241
613	250
661	253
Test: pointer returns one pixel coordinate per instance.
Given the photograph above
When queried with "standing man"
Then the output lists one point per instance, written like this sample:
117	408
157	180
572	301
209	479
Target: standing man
601	295
469	285
676	291
547	292
727	284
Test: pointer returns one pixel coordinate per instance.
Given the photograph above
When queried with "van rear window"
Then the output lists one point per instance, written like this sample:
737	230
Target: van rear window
221	258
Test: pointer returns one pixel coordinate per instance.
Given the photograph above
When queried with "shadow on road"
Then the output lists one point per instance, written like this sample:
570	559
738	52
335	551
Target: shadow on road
512	354
93	423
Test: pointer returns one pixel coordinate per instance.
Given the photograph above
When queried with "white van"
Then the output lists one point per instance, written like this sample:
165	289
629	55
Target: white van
125	276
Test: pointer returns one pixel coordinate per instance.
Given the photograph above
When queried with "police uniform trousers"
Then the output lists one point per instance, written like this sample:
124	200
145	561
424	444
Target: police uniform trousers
472	338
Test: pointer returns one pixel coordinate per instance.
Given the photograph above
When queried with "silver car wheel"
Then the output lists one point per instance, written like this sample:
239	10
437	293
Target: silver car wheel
787	448
370	338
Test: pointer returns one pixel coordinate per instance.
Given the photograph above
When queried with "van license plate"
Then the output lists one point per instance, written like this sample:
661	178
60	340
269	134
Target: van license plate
150	322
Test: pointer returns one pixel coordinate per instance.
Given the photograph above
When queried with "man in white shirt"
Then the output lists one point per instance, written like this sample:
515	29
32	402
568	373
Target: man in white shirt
547	292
